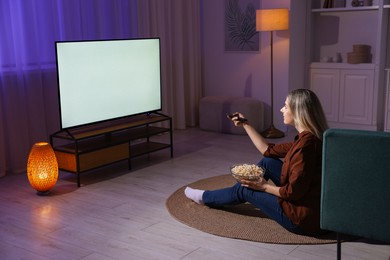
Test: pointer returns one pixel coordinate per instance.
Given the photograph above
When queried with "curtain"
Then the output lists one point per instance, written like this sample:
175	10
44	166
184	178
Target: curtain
177	23
28	80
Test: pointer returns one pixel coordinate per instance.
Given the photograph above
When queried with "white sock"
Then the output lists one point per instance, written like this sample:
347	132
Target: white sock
194	194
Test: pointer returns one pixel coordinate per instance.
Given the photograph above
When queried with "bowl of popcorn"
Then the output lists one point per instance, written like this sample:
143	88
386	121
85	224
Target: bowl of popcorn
249	172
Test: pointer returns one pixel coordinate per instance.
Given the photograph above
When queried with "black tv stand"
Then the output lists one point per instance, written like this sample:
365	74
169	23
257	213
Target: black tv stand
82	149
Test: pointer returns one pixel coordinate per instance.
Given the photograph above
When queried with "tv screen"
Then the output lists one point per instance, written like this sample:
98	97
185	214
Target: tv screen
107	79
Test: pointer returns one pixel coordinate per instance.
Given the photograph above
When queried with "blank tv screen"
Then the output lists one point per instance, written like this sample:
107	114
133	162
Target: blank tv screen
107	79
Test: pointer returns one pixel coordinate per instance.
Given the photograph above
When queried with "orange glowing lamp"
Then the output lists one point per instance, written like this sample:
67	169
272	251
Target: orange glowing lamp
42	167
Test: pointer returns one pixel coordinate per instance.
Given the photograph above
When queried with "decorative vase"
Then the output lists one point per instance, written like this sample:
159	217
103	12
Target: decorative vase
337	57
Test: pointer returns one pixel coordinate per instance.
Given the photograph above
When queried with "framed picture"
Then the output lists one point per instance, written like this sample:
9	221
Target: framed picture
240	26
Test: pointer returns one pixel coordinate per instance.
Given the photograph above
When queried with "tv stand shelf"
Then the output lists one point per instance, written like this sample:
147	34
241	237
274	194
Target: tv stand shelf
86	148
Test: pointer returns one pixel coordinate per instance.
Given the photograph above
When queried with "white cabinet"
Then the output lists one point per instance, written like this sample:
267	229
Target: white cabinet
326	84
346	96
352	94
356	97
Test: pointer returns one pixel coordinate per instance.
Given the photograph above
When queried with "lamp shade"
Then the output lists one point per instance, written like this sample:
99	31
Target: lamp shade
271	20
42	167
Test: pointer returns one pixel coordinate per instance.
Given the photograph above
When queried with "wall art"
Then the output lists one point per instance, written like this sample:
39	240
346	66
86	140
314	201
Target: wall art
240	26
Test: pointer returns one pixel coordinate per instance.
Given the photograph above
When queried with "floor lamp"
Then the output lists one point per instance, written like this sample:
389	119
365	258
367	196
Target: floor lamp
270	20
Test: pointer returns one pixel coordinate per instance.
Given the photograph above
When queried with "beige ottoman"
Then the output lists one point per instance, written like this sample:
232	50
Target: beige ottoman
213	109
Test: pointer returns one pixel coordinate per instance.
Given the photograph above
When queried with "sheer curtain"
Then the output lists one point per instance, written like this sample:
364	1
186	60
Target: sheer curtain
28	80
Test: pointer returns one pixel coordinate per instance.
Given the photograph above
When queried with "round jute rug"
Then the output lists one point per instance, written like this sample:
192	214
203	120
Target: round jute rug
239	222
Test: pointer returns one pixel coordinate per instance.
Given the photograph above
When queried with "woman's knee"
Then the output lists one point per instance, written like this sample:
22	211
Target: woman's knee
269	163
272	167
264	161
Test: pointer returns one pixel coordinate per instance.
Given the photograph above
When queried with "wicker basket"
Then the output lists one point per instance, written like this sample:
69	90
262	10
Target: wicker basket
361	48
361	54
356	58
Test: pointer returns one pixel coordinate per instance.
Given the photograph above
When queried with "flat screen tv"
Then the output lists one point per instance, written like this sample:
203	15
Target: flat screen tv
107	79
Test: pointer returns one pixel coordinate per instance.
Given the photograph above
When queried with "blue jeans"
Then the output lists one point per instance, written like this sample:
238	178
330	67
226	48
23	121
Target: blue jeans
266	202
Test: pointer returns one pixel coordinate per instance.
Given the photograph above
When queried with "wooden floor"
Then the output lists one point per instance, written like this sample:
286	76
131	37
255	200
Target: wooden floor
118	214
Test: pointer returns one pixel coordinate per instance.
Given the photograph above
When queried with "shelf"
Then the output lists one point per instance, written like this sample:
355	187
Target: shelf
146	148
352	95
91	144
346	9
334	65
90	147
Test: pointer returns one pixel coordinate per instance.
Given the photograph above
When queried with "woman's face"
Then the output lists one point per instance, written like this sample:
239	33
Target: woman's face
288	118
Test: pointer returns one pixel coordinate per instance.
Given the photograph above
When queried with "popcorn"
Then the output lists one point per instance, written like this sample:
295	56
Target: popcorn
246	171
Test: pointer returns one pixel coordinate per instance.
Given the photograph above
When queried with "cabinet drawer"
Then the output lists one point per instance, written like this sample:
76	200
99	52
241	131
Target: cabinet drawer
66	161
104	156
87	161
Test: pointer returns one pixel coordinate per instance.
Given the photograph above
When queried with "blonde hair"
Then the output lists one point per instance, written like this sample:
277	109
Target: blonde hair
307	111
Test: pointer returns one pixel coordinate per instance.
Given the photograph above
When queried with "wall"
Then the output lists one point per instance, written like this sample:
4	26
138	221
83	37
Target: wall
244	74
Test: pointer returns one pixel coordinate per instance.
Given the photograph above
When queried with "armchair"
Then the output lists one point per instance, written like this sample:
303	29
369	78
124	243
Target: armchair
355	196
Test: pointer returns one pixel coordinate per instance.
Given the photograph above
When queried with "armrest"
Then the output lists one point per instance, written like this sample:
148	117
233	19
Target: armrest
355	196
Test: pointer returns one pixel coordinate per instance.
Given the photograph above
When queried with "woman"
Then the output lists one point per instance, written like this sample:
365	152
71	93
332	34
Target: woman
294	198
